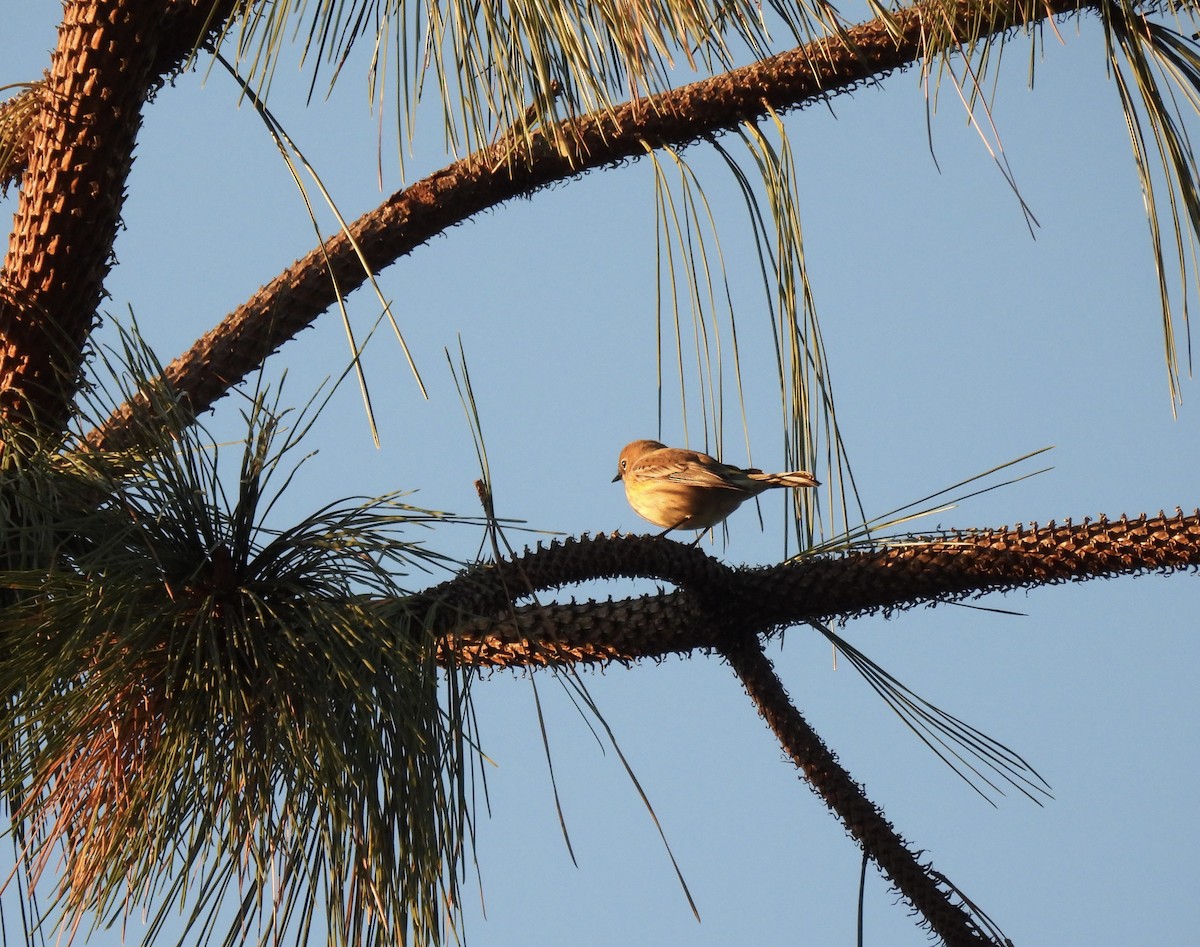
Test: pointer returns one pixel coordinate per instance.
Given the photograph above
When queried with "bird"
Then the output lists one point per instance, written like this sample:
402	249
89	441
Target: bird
685	489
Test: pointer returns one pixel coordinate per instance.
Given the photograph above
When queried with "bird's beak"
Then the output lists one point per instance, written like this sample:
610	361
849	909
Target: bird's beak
617	477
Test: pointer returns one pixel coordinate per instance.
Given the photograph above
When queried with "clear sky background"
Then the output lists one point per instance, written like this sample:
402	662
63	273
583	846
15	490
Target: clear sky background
957	341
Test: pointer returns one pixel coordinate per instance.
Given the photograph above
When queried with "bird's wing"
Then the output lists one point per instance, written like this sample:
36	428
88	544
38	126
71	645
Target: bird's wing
693	468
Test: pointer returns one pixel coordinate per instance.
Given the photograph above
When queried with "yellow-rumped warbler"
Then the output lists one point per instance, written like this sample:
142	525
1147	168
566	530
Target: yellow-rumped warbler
689	490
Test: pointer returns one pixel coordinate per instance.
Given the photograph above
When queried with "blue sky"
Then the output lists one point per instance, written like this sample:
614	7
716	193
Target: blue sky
956	340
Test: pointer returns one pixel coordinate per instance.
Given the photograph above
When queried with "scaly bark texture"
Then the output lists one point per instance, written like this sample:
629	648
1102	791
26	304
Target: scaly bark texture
110	56
954	920
70	201
724	609
484	627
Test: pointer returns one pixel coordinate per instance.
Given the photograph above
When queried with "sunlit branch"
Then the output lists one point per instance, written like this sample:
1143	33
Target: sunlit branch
411	217
86	112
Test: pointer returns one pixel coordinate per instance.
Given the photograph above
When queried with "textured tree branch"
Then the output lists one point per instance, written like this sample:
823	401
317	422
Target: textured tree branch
183	28
481	624
110	56
955	922
80	152
294	299
717	607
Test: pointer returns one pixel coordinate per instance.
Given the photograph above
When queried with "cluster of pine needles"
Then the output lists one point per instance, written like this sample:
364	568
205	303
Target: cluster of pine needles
201	710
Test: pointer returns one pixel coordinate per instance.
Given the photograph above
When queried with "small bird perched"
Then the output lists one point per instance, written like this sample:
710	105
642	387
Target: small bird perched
685	489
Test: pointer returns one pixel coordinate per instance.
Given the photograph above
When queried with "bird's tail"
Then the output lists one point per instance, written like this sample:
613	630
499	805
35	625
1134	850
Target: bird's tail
793	478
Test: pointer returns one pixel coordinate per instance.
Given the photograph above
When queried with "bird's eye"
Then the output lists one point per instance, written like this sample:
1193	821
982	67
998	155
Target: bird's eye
624	463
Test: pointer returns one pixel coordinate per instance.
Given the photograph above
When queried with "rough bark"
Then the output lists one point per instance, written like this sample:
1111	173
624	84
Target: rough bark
729	610
483	625
110	56
949	915
70	201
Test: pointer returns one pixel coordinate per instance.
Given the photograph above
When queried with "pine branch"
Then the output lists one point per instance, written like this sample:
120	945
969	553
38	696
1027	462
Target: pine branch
926	890
413	216
714	600
70	202
726	609
77	152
